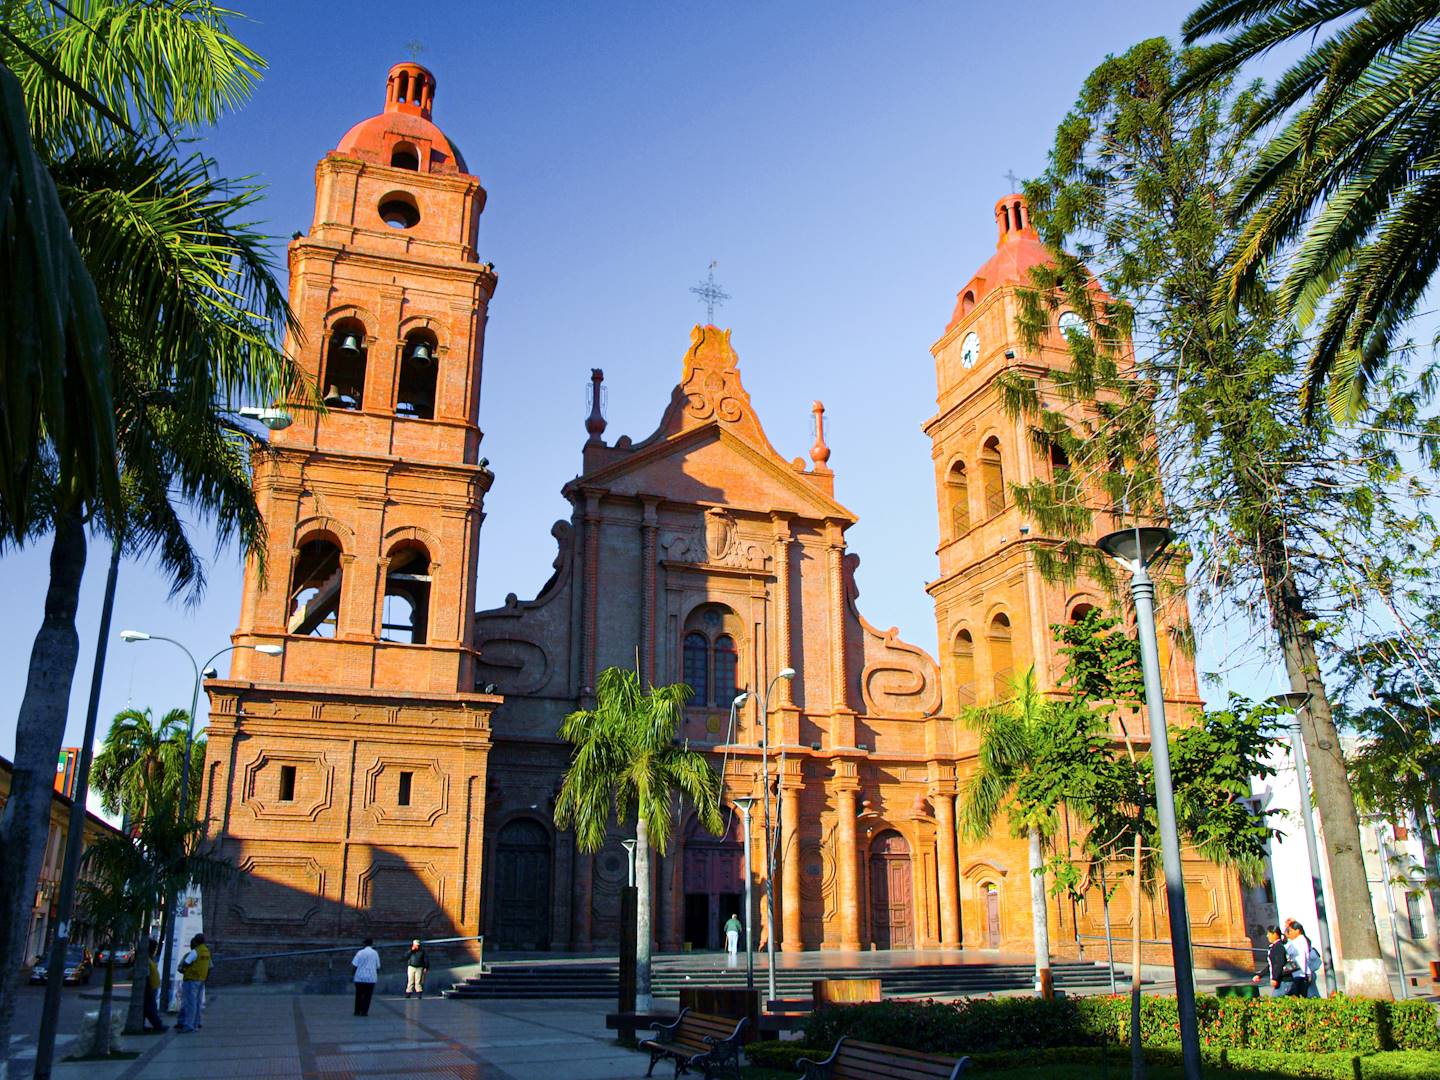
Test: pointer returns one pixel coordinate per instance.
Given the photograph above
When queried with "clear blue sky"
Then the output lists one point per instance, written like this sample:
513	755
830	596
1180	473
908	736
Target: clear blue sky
839	159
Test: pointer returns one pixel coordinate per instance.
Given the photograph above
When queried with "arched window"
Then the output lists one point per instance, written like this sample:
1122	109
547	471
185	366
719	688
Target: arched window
992	475
958	488
697	667
726	662
1059	464
404	156
315	589
405	614
345	366
963	652
415	396
1079	611
1002	657
967	302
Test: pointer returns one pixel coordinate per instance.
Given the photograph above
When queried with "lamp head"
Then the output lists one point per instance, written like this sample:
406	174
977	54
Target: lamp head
786	673
270	650
210	673
740	698
134	635
1293	700
1139	544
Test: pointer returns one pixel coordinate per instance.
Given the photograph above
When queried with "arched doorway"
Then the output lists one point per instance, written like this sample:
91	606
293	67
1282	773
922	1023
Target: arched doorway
522	886
714	882
892	920
990	893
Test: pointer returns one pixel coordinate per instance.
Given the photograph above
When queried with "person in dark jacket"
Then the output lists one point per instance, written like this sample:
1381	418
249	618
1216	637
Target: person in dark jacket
416	966
1275	959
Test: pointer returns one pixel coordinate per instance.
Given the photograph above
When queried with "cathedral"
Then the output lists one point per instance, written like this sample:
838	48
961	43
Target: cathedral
393	773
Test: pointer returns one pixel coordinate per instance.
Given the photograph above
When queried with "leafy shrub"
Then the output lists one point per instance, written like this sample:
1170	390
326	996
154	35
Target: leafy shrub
1338	1025
776	1054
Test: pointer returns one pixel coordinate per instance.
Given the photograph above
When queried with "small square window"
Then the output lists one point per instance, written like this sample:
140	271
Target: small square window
406	782
287	783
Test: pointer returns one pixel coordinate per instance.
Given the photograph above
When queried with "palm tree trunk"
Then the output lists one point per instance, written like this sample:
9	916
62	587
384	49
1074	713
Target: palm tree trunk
1430	845
100	1044
1358	942
642	916
139	979
1137	1046
38	733
1040	918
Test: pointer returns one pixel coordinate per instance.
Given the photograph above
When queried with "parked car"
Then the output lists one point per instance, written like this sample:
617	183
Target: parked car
77	968
124	956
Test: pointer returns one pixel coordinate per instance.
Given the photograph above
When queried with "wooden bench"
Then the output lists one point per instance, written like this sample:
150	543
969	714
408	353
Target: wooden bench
854	1060
698	1041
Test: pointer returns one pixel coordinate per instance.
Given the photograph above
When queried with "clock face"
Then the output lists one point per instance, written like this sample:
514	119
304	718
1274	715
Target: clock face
970	350
1070	321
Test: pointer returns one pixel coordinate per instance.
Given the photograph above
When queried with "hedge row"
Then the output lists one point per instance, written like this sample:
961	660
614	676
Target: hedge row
979	1025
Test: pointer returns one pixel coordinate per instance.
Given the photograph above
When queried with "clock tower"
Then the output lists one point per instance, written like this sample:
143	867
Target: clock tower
346	777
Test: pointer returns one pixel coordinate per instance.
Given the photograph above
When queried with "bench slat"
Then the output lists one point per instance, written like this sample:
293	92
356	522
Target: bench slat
872	1061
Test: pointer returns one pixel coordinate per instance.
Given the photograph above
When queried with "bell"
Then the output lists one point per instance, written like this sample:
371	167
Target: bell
348	344
334	399
421	352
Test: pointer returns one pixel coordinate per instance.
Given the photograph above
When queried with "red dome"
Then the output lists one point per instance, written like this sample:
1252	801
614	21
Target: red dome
1018	250
409	99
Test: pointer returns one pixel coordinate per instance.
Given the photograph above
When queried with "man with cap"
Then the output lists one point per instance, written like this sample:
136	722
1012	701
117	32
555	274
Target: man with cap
416	967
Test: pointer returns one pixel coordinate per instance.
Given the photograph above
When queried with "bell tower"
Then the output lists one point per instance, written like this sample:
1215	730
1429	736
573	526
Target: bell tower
993	607
364	745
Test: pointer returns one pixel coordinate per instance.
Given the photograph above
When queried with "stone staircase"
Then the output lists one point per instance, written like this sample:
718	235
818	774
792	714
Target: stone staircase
600	980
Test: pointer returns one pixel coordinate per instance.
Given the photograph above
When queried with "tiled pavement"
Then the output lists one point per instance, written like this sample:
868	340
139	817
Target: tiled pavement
253	1034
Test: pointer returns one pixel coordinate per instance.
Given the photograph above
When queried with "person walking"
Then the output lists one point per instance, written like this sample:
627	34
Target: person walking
152	994
733	929
417	965
1276	958
194	969
1299	952
367	969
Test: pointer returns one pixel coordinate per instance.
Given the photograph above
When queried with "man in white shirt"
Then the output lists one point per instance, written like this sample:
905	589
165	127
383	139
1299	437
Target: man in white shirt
367	969
1298	948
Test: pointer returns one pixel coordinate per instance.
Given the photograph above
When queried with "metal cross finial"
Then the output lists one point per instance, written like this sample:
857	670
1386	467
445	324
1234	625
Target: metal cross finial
710	293
415	47
1013	179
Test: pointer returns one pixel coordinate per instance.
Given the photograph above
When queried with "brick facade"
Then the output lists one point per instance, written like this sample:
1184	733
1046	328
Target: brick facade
699	552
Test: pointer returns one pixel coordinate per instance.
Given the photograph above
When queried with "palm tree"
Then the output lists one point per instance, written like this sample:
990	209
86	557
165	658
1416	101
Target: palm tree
1350	174
139	757
1013	734
190	312
626	756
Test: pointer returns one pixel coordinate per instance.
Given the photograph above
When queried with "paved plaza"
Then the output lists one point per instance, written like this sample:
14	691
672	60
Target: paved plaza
256	1034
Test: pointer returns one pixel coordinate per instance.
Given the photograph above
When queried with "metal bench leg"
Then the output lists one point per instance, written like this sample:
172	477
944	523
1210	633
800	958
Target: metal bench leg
654	1058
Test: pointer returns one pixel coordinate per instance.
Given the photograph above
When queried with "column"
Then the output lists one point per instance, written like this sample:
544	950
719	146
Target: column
847	855
784	690
839	694
580	912
791	935
649	528
944	803
592	587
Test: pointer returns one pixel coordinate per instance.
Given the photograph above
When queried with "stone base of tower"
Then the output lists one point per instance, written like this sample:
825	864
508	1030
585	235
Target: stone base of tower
346	814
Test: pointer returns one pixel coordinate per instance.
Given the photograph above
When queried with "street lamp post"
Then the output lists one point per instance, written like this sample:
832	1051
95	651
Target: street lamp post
1295	701
744	803
785	673
167	930
1134	549
1384	855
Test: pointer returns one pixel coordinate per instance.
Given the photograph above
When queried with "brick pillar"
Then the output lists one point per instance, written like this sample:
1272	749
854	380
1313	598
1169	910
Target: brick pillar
944	803
648	536
782	607
835	553
592	588
847	854
791	936
580	911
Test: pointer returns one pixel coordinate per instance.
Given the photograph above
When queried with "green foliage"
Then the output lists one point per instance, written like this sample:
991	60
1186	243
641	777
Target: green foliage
142	760
1311	1026
775	1054
1014	734
626	757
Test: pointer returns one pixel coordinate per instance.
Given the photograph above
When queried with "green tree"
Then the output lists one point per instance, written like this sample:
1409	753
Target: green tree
1344	192
140	756
191	312
626	758
1014	737
1173	408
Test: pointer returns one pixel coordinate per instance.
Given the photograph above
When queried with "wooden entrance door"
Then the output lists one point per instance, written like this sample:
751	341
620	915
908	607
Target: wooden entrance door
992	916
892	923
714	875
522	886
